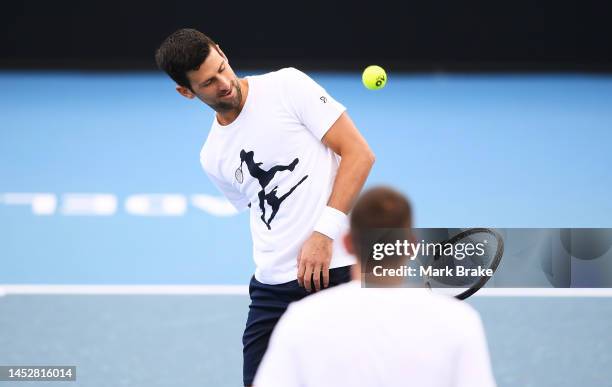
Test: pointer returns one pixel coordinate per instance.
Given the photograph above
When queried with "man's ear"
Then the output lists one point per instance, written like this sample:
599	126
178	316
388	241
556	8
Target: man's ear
348	244
185	92
412	238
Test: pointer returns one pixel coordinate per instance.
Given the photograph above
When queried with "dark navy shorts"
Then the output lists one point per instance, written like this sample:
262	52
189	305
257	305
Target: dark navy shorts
268	303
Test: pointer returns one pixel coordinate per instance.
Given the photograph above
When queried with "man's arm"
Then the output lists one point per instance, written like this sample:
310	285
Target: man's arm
355	165
356	162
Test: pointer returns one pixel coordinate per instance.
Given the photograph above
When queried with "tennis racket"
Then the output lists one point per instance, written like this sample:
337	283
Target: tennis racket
238	174
462	275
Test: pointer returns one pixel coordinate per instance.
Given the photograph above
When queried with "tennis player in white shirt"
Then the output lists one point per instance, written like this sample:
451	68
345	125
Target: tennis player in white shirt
353	336
281	147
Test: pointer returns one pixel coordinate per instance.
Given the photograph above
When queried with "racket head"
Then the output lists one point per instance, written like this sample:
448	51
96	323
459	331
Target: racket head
239	175
474	267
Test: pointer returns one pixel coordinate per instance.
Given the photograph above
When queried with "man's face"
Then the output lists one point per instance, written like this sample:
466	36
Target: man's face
214	83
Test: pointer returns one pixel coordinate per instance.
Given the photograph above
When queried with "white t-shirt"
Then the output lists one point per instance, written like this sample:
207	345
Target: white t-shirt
349	336
286	172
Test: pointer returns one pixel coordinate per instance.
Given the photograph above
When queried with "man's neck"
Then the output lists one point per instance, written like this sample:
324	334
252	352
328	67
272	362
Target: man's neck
228	116
374	281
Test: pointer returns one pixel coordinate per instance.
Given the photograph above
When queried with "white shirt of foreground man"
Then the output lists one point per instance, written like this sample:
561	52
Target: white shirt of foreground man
377	337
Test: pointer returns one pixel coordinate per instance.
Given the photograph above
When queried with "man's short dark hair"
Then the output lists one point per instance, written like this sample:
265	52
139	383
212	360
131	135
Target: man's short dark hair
380	215
183	51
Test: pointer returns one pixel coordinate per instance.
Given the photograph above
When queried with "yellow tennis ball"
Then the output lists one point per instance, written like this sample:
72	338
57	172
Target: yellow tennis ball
374	77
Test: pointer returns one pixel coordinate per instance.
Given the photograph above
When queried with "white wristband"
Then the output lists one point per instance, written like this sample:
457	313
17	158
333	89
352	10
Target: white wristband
332	222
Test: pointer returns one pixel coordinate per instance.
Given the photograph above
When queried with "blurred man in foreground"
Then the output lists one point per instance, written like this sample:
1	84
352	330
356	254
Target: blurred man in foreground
352	336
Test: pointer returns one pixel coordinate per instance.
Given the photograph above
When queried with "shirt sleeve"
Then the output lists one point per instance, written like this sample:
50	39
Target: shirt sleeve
474	364
279	366
239	201
309	102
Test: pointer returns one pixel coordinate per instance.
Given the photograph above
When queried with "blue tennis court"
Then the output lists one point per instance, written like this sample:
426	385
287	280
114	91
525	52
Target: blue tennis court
195	340
100	185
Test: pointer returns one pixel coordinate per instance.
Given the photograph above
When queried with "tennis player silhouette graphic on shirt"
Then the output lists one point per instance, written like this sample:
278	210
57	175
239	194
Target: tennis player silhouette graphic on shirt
264	177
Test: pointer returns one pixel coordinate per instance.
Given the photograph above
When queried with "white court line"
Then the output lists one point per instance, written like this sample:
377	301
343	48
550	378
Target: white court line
127	289
243	290
545	292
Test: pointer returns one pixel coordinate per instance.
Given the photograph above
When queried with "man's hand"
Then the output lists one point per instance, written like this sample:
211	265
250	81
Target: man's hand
315	257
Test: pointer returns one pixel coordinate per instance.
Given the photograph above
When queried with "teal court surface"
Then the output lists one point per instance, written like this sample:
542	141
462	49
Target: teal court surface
504	150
